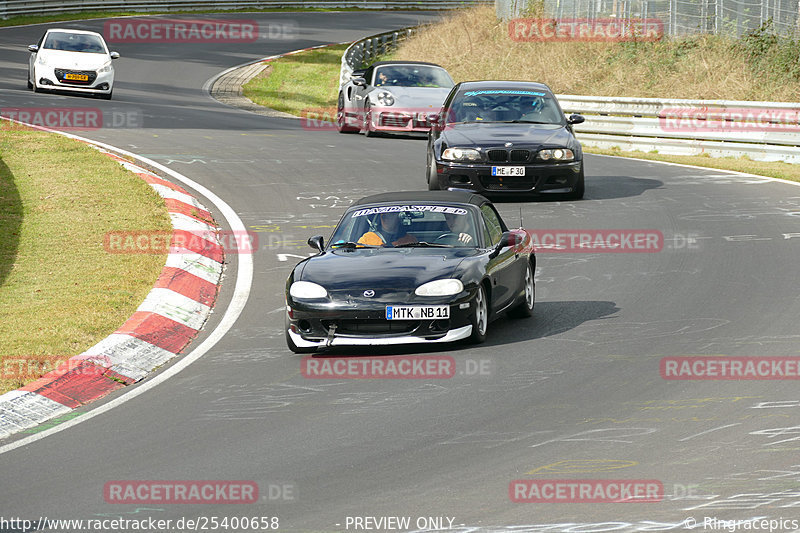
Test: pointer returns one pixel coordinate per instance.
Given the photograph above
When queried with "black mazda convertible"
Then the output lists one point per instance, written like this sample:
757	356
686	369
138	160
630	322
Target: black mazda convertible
410	267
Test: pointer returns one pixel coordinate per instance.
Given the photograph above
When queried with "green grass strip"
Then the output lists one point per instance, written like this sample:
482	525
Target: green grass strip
300	83
60	291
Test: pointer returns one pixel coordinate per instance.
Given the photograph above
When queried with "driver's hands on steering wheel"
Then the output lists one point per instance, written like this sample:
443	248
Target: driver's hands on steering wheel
405	239
466	238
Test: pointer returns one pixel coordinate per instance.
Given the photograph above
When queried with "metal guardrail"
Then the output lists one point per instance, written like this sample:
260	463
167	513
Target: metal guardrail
762	131
362	53
11	8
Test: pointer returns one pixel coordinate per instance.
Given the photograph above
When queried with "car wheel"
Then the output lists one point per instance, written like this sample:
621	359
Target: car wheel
290	343
433	177
525	308
30	85
479	317
367	126
341	123
577	192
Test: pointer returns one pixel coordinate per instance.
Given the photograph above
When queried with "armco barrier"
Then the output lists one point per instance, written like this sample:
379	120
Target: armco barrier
366	50
12	8
762	131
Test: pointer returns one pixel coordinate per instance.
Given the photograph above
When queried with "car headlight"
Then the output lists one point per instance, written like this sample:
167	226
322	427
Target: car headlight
440	287
105	68
461	154
385	98
556	154
306	290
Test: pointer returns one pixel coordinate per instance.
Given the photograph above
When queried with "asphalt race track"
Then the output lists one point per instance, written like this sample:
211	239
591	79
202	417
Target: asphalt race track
573	393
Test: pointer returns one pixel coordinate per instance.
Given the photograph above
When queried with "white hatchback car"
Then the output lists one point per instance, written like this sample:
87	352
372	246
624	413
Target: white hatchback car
71	60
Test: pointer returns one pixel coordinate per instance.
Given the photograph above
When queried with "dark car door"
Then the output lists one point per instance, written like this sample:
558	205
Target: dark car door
504	269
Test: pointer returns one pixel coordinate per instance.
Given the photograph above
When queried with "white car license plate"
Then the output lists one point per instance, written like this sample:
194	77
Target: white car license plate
508	171
424	312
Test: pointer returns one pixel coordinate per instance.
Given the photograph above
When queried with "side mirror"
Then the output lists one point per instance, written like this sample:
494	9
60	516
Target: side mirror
114	55
361	82
507	239
317	242
575	119
33	48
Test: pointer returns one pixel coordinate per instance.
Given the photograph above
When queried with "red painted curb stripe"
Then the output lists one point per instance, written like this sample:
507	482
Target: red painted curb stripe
158	330
189	285
150	178
176	206
79	386
186	240
116	157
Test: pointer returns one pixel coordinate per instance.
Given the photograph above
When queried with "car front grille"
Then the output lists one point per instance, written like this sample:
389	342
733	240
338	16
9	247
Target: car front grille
369	327
61	76
520	156
394	120
497	156
508	183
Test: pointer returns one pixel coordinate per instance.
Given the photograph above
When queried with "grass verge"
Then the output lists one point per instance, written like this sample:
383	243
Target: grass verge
308	81
60	291
473	45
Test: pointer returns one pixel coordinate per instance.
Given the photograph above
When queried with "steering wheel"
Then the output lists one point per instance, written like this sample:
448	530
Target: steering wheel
449	236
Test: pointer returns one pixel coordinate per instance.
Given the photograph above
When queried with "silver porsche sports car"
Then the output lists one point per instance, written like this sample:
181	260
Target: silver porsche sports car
392	96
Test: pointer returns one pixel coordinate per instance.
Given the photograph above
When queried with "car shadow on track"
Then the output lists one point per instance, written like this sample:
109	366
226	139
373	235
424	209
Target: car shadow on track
610	187
549	319
597	188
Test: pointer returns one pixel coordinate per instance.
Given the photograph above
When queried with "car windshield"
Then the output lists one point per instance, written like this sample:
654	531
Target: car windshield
424	226
412	76
74	42
504	105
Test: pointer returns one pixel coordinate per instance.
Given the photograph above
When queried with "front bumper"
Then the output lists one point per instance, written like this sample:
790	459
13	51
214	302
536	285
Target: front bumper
539	179
399	120
451	336
365	324
53	79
